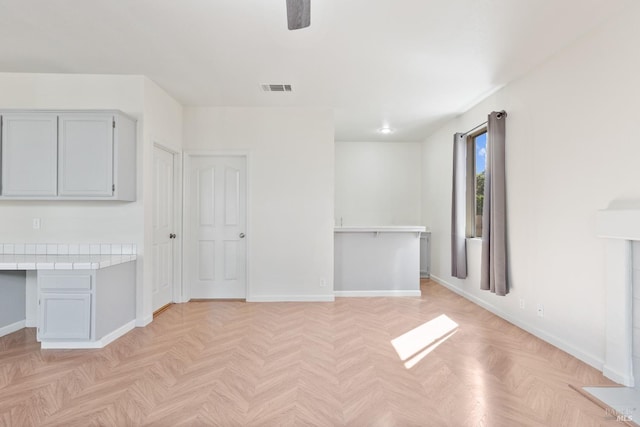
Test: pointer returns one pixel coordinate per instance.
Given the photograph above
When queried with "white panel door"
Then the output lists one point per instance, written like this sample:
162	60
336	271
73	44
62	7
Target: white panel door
29	154
85	155
216	224
163	228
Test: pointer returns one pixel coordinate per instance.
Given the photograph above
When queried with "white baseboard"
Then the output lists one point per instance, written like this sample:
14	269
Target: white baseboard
141	323
69	345
390	293
111	337
104	341
9	329
589	359
618	377
291	298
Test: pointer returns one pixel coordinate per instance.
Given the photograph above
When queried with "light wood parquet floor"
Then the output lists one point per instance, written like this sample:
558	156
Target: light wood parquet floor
299	364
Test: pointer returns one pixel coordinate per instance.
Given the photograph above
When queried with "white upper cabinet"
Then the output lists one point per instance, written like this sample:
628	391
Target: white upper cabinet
29	155
68	155
85	155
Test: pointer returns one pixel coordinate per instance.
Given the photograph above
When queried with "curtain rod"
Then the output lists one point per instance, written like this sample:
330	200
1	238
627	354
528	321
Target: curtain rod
500	115
474	128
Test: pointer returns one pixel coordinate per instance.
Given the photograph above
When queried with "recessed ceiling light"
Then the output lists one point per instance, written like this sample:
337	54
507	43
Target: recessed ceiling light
386	130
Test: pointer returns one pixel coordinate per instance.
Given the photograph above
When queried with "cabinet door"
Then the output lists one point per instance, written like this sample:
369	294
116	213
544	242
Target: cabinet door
65	316
29	154
85	155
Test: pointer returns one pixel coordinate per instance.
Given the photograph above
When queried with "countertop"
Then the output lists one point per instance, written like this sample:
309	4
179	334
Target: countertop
64	256
62	262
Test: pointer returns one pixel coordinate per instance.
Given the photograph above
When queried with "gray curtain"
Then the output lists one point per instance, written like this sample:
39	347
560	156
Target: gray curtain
494	213
459	208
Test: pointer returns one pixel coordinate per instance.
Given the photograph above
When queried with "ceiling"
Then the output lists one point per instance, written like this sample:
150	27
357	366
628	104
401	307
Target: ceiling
409	64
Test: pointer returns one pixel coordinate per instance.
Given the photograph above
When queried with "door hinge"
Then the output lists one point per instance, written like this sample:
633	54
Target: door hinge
113	188
114	124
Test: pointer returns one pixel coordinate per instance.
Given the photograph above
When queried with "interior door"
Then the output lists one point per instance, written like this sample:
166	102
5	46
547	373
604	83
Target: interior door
163	227
216	226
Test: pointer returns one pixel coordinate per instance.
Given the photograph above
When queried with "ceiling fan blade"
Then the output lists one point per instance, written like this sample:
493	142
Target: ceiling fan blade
298	14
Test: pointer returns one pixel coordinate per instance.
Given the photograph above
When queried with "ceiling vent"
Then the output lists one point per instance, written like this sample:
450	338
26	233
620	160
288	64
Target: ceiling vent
276	88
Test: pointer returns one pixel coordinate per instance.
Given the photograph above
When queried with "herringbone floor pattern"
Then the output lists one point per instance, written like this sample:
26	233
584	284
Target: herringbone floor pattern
300	364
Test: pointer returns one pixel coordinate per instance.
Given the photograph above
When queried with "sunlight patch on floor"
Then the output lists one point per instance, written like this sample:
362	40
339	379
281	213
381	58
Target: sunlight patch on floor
414	345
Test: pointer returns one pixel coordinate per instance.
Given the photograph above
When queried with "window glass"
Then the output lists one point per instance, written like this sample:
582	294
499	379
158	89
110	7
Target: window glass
480	154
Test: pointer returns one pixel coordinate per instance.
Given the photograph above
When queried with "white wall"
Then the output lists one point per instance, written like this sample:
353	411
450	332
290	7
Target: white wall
71	221
378	183
291	192
572	148
159	118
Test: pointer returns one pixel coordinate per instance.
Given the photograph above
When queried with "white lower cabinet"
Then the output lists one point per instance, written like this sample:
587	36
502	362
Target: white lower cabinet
65	304
65	316
85	308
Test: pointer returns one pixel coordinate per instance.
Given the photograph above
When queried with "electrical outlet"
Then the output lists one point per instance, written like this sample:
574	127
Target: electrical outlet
323	283
540	310
522	303
36	223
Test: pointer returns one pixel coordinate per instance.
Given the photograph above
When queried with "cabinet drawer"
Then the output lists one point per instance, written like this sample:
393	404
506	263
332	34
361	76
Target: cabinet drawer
65	281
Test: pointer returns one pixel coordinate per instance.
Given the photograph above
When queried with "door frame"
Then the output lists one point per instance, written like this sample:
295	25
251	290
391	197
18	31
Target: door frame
177	291
186	167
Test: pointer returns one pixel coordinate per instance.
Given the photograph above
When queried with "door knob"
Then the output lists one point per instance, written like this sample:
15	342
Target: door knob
242	235
172	236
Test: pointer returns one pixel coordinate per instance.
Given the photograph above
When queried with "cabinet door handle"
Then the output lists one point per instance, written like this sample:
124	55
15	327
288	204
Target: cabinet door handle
242	235
172	236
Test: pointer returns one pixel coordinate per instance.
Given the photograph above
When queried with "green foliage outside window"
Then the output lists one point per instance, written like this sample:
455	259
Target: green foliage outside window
479	192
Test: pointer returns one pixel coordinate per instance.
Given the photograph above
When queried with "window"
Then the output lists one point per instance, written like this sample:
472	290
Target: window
476	165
